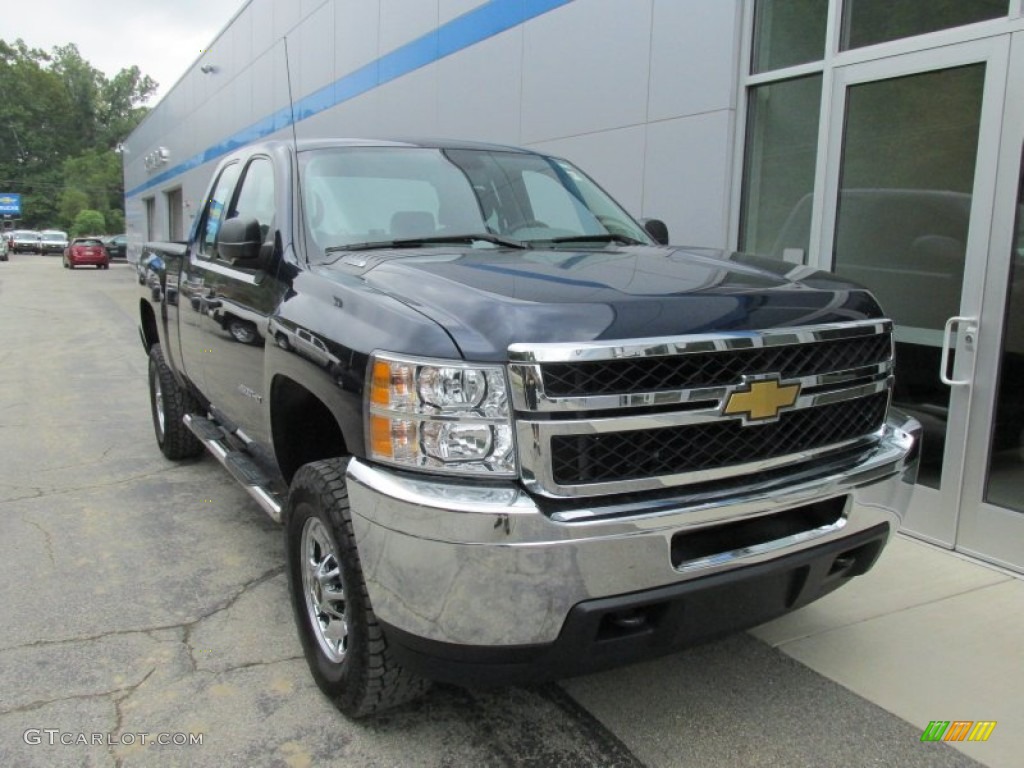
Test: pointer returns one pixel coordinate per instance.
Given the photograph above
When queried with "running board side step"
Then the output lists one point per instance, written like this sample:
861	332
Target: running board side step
237	463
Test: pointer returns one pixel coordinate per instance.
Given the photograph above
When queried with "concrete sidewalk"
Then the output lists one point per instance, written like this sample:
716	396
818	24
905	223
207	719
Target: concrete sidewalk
926	635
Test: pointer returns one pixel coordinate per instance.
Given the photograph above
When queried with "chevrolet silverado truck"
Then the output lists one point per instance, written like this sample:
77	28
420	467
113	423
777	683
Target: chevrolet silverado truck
510	434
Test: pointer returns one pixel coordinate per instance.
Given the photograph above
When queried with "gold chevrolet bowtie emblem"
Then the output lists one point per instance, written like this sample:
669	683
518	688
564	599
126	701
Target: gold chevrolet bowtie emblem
761	400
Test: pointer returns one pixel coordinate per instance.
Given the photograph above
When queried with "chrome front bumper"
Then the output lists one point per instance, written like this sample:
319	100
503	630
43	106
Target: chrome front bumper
476	565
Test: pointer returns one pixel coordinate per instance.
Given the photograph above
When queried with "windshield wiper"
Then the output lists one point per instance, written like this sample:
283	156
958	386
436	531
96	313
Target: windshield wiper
419	242
607	237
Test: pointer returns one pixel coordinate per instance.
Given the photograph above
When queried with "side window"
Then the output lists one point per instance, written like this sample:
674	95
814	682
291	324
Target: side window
214	212
256	195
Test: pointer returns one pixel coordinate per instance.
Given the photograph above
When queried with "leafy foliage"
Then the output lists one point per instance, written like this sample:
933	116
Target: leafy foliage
88	222
60	121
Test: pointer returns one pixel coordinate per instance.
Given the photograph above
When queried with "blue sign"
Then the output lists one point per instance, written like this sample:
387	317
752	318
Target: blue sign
10	203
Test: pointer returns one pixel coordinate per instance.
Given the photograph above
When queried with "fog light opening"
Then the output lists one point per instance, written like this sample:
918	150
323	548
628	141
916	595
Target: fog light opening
843	563
631	621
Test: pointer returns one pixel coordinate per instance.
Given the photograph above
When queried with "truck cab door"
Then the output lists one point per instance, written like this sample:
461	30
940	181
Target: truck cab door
192	288
239	296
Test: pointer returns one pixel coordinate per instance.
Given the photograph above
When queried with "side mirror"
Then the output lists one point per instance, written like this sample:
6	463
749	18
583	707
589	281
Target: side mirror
239	239
657	229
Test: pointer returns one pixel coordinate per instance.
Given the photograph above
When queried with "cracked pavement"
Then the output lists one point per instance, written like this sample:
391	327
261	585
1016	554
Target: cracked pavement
143	597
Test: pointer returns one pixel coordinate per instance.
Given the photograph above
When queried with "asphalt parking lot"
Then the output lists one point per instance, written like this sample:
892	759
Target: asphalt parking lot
144	601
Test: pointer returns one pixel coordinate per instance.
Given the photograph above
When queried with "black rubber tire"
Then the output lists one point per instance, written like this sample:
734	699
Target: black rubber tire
241	331
176	441
368	679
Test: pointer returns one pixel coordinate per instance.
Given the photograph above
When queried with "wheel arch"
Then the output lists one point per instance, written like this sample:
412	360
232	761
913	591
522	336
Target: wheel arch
148	329
303	428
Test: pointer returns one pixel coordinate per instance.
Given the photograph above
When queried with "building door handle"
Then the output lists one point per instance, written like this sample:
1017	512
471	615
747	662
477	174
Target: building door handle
970	332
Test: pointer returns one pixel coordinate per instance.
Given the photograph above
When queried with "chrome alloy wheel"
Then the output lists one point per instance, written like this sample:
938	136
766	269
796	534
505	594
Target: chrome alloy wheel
324	590
158	405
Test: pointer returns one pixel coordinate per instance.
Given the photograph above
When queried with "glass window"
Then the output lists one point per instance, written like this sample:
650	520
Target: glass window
375	195
866	22
214	212
560	210
778	173
788	32
1005	483
150	205
906	178
256	195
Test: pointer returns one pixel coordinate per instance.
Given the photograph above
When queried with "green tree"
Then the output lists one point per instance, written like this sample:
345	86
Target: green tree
72	201
120	106
92	180
60	120
88	222
34	130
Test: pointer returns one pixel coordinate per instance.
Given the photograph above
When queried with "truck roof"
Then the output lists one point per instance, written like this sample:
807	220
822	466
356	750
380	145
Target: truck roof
312	144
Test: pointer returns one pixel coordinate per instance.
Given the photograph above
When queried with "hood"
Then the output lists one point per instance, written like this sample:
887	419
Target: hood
488	298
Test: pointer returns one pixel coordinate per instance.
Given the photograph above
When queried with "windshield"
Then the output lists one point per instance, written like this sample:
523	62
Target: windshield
58	236
361	196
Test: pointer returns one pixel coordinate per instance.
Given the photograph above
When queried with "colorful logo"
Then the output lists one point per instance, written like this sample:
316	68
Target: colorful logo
958	730
10	203
760	401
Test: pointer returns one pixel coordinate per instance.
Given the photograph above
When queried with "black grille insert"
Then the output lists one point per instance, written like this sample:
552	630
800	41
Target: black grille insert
709	369
617	456
714	540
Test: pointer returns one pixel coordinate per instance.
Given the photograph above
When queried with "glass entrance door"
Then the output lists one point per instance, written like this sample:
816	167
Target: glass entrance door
991	522
911	168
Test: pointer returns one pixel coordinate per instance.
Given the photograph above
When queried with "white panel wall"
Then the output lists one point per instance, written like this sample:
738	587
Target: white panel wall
479	91
356	34
585	69
402	21
694	47
687	177
262	14
640	93
450	9
311	48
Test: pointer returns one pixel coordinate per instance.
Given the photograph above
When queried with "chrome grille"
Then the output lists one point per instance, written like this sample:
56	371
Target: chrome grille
619	456
688	371
596	419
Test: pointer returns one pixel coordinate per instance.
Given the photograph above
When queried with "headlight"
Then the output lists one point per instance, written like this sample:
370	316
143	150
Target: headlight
440	415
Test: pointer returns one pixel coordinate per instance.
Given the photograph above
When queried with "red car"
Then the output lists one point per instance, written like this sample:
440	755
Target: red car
86	250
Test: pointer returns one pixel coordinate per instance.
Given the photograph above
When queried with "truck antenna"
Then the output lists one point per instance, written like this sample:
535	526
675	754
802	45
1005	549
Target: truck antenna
295	143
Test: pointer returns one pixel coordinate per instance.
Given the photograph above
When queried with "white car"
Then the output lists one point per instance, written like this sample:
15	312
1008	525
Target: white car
25	241
53	241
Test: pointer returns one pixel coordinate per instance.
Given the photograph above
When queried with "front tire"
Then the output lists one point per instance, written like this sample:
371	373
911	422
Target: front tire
345	648
168	404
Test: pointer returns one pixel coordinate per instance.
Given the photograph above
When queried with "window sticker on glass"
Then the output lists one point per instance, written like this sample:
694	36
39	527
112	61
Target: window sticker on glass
213	221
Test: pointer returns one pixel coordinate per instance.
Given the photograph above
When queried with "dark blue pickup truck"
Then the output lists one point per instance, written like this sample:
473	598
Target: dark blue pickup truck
511	435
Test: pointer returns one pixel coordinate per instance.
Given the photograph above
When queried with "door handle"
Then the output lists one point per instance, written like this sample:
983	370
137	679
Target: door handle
970	333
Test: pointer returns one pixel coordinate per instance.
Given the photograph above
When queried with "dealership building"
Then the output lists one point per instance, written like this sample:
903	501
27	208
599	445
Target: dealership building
878	139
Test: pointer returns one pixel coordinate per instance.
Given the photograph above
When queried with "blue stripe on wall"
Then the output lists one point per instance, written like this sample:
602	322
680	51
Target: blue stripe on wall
467	30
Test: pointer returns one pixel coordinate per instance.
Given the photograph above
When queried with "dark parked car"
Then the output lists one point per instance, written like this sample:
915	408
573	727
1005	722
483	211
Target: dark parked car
86	251
117	246
25	241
